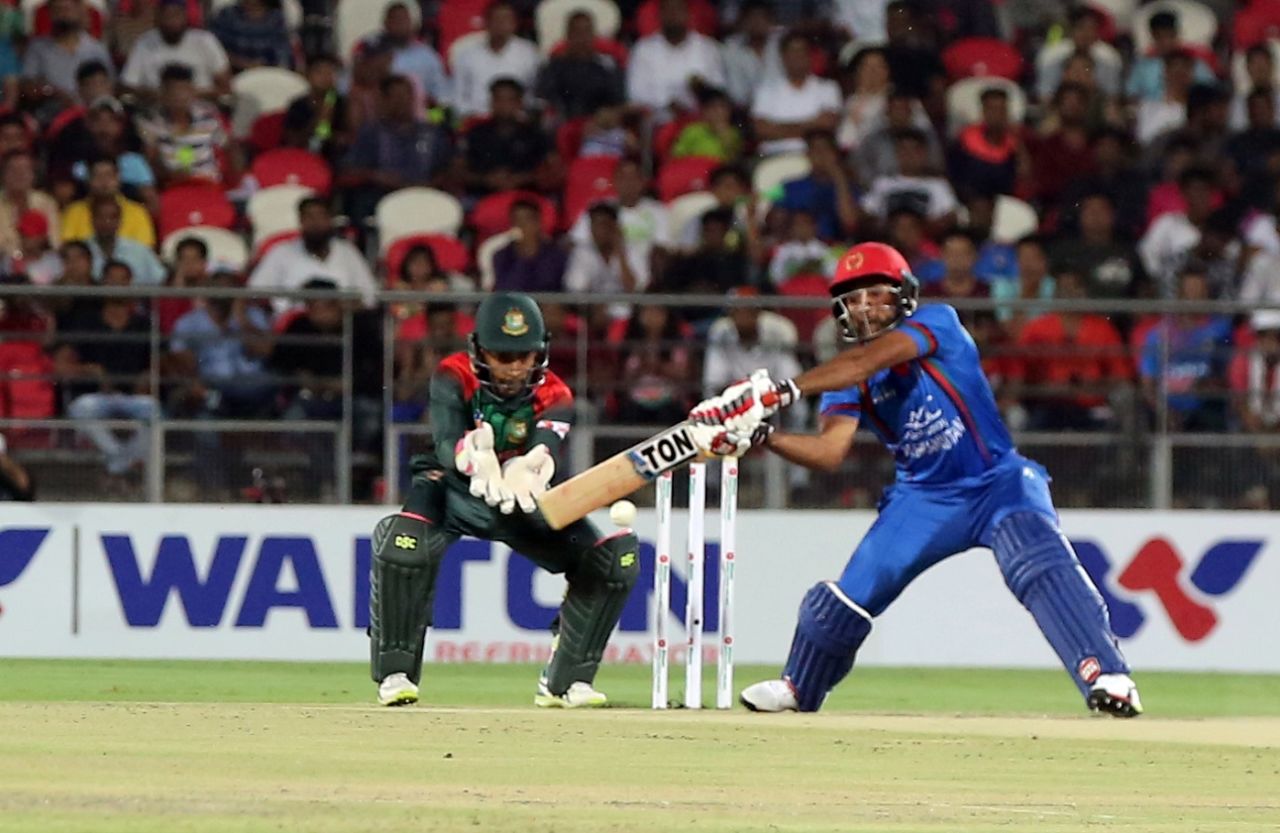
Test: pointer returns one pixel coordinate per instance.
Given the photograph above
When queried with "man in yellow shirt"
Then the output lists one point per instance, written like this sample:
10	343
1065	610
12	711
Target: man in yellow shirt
104	180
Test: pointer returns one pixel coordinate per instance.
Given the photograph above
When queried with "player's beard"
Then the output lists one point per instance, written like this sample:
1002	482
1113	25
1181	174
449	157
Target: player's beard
862	323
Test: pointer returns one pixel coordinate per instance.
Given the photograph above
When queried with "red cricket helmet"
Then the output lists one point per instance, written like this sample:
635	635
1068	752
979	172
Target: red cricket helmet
866	264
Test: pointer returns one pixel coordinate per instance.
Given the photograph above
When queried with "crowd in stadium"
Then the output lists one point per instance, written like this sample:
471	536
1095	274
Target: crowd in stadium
1027	149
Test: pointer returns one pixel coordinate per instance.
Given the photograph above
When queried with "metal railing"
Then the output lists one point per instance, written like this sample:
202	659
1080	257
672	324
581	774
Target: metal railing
359	452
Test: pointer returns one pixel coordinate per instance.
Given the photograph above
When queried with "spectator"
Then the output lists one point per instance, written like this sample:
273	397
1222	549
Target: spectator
253	34
414	59
499	55
108	134
827	192
17	132
1169	111
876	156
221	347
186	138
427	333
1032	282
996	260
914	65
33	258
18	195
1062	153
602	265
989	157
785	109
1115	176
864	109
1071	362
1098	252
1189	351
1261	282
1261	69
644	221
906	230
509	151
16	483
317	253
731	187
190	269
1086	25
68	132
1149	74
1252	151
318	119
667	65
396	151
1165	246
1101	108
747	339
174	41
107	246
1205	127
714	134
802	253
370	68
604	133
915	185
104	181
77	270
958	282
1255	375
751	56
656	366
50	63
713	268
105	367
12	24
531	262
131	19
573	81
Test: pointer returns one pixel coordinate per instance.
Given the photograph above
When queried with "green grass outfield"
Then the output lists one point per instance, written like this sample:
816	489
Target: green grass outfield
146	747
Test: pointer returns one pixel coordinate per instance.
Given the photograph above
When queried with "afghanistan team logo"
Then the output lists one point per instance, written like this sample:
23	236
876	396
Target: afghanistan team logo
513	323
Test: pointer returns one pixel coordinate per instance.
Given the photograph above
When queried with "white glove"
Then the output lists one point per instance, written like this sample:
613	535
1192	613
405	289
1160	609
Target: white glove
719	441
743	406
475	458
526	477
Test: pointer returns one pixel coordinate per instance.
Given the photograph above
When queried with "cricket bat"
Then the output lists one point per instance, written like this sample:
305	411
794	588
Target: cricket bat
621	474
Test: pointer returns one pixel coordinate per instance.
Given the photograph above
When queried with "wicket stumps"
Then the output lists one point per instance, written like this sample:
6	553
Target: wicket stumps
695	578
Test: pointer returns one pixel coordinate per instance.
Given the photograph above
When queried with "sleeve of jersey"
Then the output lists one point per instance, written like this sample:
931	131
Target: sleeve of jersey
847	402
554	416
449	417
932	327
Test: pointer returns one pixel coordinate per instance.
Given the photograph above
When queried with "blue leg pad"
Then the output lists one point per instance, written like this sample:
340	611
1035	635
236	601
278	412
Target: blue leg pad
828	635
1042	571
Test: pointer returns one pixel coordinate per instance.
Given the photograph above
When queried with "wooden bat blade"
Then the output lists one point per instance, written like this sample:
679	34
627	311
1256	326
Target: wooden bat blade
618	476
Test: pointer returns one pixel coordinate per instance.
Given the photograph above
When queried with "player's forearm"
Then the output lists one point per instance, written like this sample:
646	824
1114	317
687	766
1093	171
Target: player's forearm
857	364
812	451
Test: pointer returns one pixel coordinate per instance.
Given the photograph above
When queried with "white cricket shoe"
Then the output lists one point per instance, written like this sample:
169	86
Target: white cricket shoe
397	690
769	696
1115	694
579	696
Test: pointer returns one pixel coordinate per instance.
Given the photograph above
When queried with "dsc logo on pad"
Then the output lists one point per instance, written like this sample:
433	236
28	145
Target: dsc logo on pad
1158	568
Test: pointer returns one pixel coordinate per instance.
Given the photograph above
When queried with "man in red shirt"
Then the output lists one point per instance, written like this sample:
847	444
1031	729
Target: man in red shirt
1067	364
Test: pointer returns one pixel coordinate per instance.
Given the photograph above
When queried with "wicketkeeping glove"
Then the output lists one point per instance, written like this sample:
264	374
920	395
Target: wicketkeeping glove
526	477
476	459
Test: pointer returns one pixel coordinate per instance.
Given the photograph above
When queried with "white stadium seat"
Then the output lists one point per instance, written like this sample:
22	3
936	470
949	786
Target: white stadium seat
273	211
1120	11
685	208
484	256
1196	23
1012	219
262	90
552	19
775	170
226	248
416	211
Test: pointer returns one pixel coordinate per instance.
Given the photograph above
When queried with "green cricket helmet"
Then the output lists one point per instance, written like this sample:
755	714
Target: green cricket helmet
507	323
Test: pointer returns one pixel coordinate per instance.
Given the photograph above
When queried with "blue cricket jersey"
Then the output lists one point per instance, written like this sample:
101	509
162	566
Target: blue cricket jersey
936	413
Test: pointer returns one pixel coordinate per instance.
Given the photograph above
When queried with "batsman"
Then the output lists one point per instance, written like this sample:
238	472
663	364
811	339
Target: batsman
498	418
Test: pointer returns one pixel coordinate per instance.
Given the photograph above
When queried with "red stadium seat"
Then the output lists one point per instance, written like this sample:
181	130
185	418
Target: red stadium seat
261	247
450	254
492	215
806	320
702	17
43	23
458	18
267	132
291	166
569	138
664	138
27	390
982	57
605	46
194	205
590	179
683	176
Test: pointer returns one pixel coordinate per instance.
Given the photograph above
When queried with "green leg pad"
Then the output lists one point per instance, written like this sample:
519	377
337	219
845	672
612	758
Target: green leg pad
407	553
598	589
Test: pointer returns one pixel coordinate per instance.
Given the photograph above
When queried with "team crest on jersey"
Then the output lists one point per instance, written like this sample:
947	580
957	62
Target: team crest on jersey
513	323
517	431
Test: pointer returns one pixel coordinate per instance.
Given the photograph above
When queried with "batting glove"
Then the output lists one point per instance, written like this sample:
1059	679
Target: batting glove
527	476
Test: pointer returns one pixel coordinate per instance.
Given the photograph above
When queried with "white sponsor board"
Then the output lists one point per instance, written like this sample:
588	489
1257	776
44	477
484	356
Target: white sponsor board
1187	590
